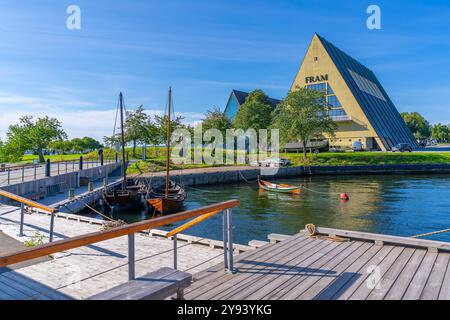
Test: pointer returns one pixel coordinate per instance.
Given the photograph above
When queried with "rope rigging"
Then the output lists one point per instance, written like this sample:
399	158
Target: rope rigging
245	179
431	233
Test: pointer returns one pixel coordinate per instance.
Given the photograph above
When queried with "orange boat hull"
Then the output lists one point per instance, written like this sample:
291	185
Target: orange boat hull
163	205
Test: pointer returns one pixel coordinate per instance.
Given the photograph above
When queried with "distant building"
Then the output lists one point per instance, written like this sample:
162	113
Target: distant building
356	99
236	99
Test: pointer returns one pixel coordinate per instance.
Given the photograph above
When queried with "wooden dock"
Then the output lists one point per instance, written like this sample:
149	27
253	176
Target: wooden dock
86	271
365	267
331	265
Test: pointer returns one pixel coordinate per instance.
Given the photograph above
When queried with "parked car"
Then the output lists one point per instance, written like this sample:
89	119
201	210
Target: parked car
275	162
402	147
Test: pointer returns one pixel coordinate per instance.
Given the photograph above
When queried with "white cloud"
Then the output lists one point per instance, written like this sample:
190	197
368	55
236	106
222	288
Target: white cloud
95	122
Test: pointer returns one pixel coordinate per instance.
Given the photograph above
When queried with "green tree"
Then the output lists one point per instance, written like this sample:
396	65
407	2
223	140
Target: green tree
135	126
161	123
418	125
61	146
90	144
216	119
254	113
77	145
258	96
35	134
111	141
150	133
302	115
8	153
440	132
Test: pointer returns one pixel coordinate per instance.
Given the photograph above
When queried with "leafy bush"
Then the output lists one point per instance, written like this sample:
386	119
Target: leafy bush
36	240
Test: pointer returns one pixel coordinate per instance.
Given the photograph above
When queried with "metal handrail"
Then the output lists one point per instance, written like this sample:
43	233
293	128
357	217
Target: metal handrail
61	167
130	230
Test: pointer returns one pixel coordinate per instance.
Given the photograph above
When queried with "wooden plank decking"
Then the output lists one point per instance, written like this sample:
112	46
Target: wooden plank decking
301	267
367	267
88	270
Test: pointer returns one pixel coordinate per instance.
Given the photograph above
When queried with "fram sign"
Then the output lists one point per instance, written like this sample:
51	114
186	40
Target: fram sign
320	78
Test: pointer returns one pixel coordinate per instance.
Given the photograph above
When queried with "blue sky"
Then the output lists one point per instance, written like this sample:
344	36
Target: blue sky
204	49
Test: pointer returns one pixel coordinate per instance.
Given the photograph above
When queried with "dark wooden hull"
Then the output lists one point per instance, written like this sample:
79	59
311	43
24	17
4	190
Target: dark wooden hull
123	199
174	202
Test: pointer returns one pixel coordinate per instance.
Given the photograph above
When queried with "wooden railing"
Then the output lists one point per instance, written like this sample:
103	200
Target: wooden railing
26	201
30	203
130	230
191	223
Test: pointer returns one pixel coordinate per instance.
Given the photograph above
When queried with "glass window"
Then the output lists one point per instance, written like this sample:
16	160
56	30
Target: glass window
330	91
231	108
317	86
337	112
333	102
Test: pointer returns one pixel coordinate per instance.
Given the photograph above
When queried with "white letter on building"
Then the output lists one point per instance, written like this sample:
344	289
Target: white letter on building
74	20
374	20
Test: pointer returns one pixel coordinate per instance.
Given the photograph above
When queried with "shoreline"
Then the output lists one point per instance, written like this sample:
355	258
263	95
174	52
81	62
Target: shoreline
234	174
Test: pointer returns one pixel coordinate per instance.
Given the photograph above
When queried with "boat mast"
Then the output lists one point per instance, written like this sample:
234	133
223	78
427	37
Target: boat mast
168	143
124	169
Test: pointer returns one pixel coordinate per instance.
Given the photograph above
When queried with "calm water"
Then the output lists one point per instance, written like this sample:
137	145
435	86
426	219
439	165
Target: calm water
391	204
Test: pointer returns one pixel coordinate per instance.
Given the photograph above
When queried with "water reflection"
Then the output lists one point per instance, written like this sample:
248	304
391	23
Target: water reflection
397	205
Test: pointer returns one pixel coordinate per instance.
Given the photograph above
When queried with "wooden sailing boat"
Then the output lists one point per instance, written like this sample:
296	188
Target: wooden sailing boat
168	198
281	188
130	194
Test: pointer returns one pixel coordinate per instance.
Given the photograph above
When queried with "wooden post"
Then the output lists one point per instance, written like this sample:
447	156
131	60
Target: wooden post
81	163
122	136
168	143
47	168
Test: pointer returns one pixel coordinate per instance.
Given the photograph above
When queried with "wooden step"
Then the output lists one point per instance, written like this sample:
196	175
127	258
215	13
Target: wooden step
276	237
257	243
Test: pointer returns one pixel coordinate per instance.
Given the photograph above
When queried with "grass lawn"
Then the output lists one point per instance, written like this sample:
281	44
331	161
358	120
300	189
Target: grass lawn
361	158
107	154
63	157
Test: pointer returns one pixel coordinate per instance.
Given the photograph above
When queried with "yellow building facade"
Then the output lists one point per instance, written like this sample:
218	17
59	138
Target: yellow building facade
356	100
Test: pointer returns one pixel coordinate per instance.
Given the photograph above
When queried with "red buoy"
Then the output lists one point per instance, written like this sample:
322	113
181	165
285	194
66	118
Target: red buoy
344	197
